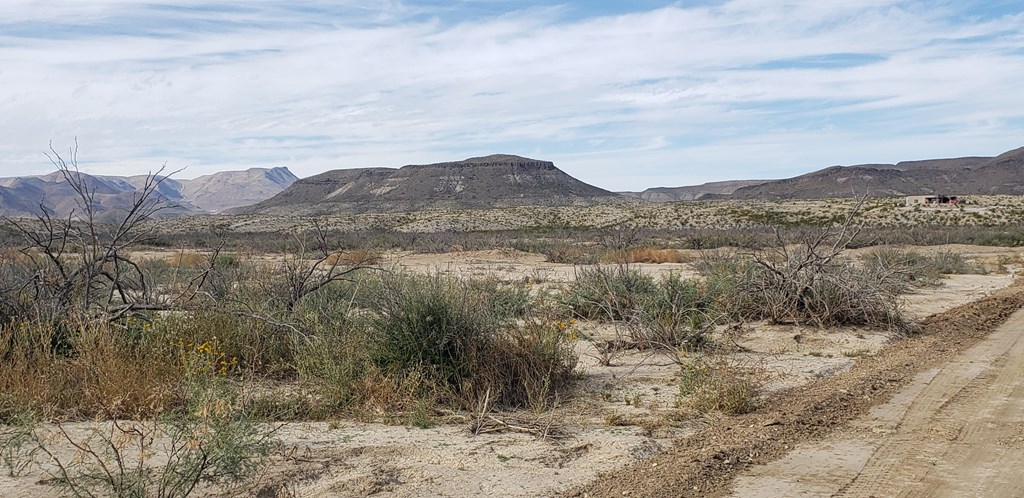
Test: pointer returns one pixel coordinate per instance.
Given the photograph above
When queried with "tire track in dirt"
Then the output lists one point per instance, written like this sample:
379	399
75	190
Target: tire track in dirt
939	436
707	462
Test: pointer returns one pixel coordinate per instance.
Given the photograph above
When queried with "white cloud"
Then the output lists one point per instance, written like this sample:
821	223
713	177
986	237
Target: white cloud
673	95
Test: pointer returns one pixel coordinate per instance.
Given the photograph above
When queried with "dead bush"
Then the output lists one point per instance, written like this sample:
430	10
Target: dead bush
806	282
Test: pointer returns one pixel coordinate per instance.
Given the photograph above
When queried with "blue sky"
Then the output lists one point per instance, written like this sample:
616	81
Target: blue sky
624	95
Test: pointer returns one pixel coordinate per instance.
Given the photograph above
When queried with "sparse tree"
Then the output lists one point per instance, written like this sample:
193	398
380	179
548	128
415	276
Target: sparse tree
81	267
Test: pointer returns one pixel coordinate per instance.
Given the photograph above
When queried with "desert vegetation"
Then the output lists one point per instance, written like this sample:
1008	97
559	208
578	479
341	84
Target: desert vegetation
140	362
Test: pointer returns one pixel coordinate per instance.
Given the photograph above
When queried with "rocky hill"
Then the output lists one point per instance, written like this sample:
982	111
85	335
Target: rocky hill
491	181
22	196
692	192
230	189
961	176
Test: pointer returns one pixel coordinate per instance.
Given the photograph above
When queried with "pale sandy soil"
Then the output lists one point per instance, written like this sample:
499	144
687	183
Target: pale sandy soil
626	411
955	430
514	266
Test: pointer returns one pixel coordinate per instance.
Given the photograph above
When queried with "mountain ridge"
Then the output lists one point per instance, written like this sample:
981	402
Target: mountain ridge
498	180
23	196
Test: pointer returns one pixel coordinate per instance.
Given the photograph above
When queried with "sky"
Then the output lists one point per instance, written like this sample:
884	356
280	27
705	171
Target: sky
625	95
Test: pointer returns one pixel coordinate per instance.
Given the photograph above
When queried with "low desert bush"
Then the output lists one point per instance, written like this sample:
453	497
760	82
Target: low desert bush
836	293
461	344
903	268
804	279
609	292
335	362
668	313
529	365
678	315
721	384
433	323
913	268
953	263
207	448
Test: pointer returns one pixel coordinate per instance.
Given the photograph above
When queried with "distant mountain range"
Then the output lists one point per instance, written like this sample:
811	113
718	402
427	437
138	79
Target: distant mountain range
22	196
693	192
1003	174
491	181
494	181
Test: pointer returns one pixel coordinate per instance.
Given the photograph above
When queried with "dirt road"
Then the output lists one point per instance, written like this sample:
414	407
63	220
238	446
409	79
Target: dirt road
935	414
956	430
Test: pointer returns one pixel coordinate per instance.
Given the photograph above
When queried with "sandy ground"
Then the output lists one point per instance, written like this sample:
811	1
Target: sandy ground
956	430
624	416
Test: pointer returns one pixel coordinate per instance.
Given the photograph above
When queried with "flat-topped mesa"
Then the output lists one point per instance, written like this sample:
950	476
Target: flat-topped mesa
494	160
499	180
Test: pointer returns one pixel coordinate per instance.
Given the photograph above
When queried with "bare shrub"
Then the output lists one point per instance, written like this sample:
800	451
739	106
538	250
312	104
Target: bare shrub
806	282
81	269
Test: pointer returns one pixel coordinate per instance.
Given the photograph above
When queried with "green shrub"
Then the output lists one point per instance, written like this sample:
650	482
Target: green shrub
953	263
678	314
430	322
456	339
608	292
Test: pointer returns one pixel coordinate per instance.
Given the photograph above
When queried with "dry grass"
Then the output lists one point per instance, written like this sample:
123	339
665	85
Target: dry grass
189	259
649	255
356	257
721	383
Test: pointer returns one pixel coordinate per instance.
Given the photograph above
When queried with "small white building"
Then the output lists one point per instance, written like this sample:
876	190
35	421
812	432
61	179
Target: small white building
932	200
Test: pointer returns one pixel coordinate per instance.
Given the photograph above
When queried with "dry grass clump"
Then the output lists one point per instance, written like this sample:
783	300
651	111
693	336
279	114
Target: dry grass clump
651	255
720	383
188	259
355	257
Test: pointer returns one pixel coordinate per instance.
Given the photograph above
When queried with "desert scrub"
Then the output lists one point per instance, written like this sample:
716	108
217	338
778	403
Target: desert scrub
208	448
335	363
679	315
903	268
721	384
671	312
249	344
103	371
459	346
803	279
530	365
914	269
431	322
831	294
611	292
